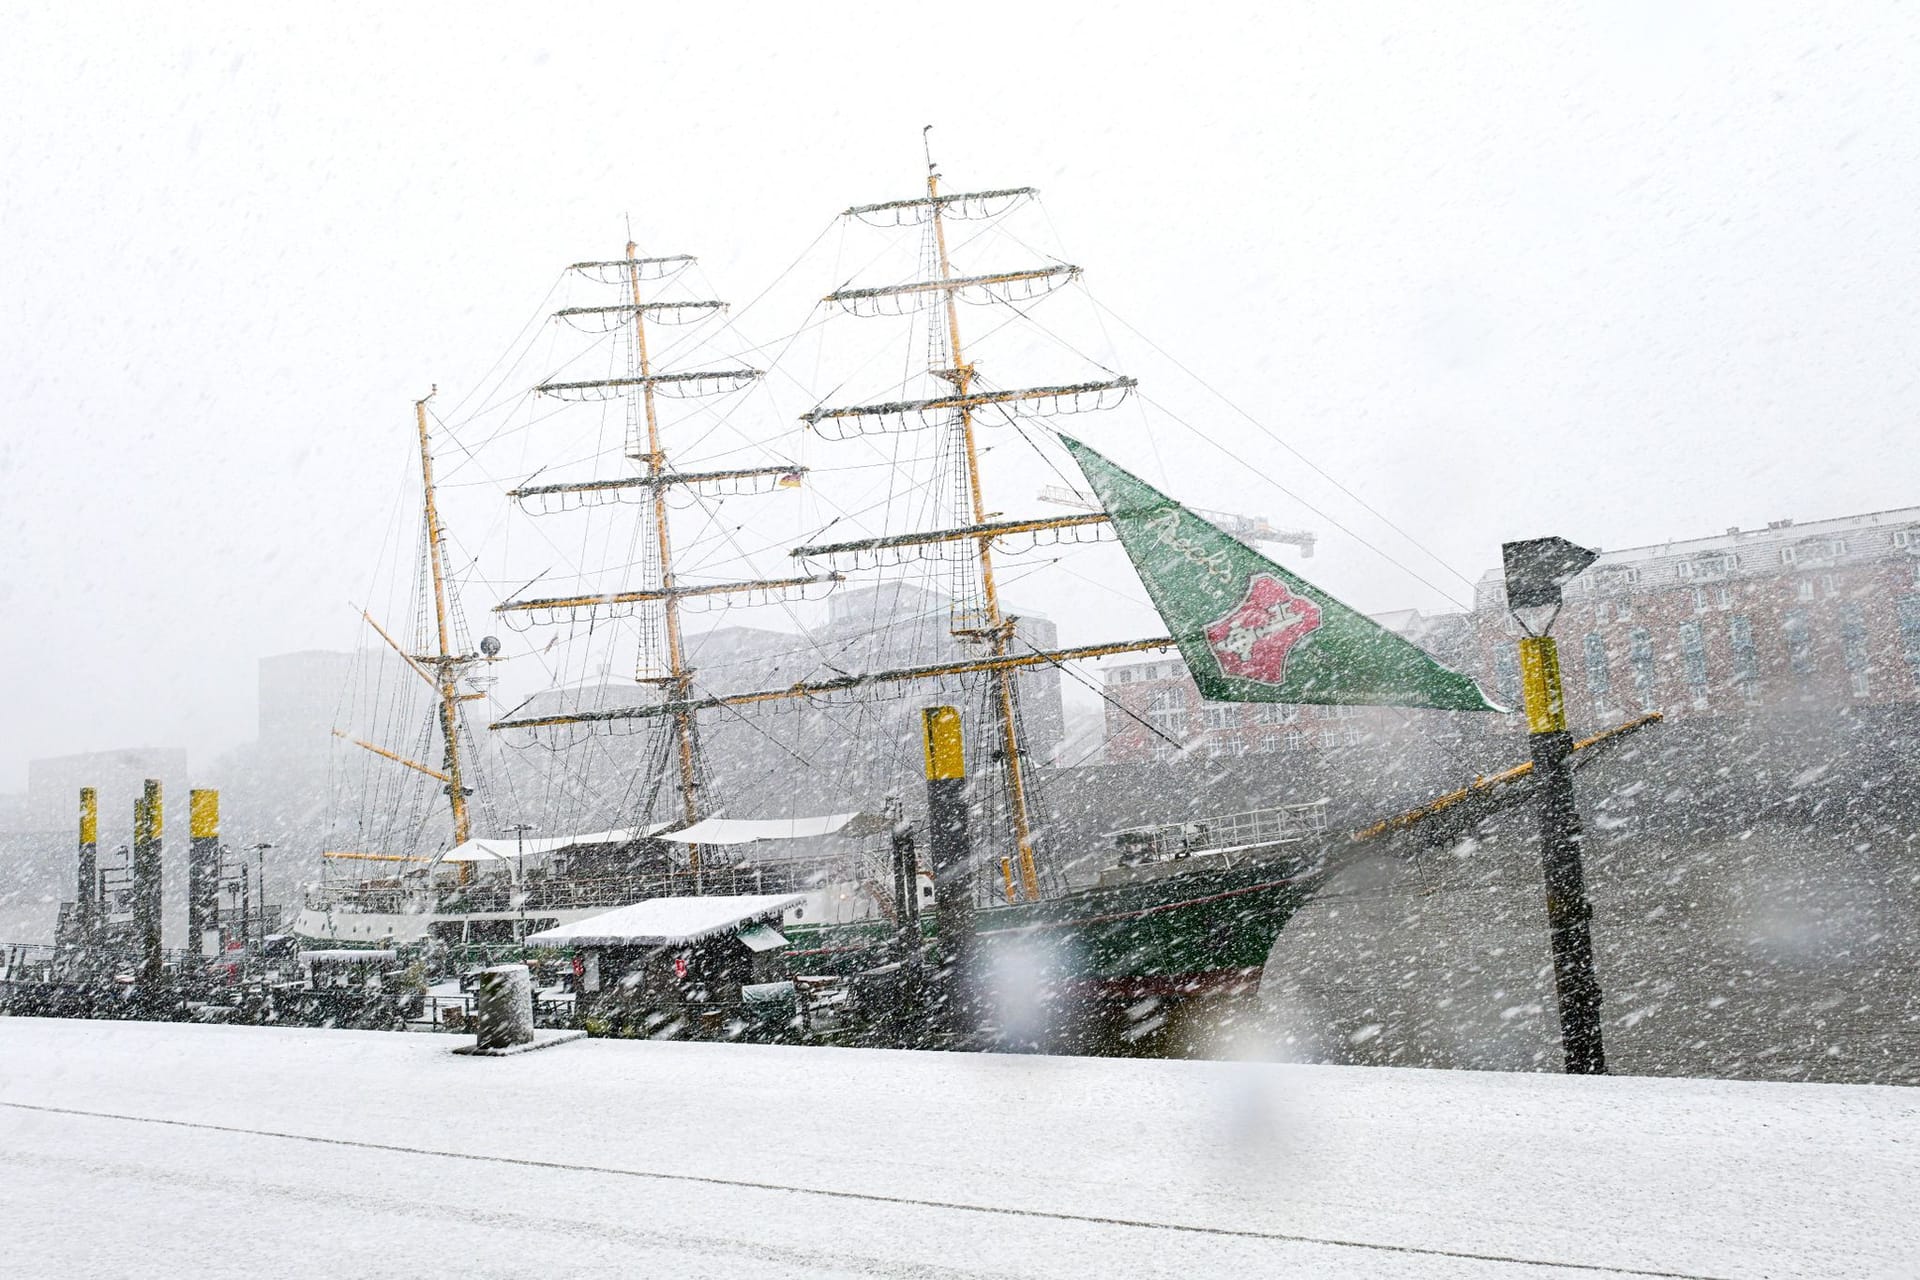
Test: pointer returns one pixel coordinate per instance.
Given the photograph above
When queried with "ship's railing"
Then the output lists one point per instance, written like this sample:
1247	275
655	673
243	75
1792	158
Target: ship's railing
354	898
568	893
1273	825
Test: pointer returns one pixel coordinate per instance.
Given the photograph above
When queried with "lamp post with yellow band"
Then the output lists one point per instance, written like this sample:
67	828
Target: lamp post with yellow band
1536	571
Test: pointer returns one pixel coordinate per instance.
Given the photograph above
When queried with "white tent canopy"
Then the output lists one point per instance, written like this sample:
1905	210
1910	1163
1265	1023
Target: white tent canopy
667	922
748	830
506	849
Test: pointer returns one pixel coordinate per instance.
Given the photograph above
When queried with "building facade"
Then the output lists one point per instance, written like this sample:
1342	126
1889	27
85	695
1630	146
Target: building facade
1814	616
1825	614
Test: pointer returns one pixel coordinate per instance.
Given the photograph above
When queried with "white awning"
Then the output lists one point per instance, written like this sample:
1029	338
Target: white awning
667	922
506	849
747	830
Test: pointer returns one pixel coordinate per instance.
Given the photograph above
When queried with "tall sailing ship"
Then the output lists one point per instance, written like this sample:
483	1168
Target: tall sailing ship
1088	930
1166	925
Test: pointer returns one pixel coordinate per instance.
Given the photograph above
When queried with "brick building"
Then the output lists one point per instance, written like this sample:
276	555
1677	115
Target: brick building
1817	615
1823	614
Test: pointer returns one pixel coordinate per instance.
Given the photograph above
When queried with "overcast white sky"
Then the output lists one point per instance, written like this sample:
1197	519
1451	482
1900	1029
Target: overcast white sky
1620	273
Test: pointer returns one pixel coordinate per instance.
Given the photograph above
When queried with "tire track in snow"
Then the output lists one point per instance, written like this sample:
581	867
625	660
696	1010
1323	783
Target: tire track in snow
873	1197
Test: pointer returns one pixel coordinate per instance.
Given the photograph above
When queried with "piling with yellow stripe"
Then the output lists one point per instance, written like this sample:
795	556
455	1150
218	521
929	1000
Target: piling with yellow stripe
87	882
949	849
203	871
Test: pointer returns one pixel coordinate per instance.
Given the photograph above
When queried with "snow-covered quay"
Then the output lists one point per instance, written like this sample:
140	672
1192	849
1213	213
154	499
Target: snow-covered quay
150	1149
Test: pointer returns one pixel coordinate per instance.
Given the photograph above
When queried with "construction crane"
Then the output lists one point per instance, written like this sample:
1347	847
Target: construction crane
1245	528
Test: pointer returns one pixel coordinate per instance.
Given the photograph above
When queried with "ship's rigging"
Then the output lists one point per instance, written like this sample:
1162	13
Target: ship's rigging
441	656
657	603
979	618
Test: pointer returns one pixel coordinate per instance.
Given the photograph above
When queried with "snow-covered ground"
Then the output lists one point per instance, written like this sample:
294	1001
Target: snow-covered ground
155	1150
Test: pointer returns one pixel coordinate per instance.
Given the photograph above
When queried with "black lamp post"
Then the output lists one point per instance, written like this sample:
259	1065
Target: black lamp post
1536	571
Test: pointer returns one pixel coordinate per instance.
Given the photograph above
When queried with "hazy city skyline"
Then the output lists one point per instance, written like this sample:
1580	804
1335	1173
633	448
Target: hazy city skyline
1650	280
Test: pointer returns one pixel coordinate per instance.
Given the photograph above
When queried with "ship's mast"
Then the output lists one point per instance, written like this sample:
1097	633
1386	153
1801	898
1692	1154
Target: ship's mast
647	447
679	679
996	630
441	668
446	667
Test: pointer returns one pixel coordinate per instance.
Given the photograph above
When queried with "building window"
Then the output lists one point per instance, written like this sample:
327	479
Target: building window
1725	597
1506	674
1599	678
1805	589
1746	661
1799	642
1853	647
1640	656
1271	742
1600	613
1829	584
1222	715
1693	658
1700	599
1837	547
1167	713
1623	611
1910	634
1786	555
1684	569
1276	713
1902	539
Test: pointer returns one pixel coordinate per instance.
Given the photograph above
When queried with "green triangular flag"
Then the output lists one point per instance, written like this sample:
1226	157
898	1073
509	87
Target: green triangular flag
1249	630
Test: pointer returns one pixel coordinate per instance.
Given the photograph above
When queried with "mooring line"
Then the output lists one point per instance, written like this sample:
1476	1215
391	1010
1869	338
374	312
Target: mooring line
869	1196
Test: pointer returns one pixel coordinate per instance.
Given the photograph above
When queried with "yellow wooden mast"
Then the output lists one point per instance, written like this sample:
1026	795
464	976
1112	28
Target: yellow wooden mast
445	665
997	630
680	680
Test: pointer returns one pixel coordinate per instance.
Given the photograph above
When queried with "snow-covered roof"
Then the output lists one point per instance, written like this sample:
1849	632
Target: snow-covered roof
506	849
1778	533
348	953
747	830
667	922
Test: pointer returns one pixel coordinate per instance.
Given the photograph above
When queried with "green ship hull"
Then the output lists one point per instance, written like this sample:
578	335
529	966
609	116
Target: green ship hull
1173	935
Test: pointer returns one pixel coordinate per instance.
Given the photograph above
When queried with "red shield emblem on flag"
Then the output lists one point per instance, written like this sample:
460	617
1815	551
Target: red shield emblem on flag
679	966
1252	639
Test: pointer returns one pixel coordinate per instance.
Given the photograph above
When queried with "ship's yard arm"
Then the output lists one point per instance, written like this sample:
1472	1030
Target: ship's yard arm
1460	811
843	684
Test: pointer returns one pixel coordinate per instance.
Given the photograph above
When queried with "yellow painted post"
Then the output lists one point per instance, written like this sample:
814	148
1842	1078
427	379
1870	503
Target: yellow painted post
87	881
949	850
1540	683
203	871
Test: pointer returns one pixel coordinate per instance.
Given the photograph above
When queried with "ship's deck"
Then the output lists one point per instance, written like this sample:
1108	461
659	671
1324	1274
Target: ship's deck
150	1149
